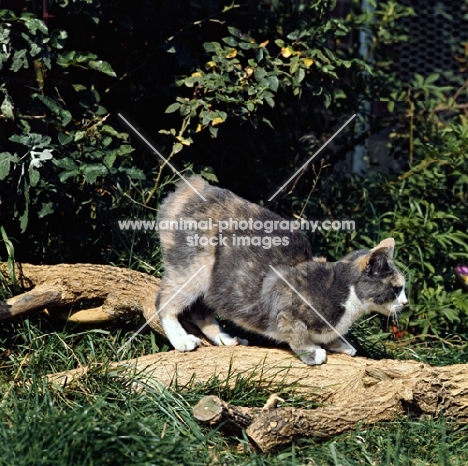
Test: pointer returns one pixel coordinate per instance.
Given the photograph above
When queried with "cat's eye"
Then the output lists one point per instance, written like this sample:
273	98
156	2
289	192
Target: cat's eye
397	290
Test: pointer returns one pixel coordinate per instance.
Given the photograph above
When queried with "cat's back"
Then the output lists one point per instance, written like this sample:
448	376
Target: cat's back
235	228
198	200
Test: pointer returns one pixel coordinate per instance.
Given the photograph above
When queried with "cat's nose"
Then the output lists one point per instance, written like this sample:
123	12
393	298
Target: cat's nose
404	300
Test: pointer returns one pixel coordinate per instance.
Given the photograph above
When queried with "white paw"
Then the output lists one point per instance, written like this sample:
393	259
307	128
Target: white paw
320	356
313	356
223	339
350	351
185	343
342	347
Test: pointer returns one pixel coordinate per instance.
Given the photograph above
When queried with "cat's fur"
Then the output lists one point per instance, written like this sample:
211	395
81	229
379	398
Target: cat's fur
238	283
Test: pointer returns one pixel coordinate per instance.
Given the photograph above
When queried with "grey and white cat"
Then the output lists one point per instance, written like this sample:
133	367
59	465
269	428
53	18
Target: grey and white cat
275	291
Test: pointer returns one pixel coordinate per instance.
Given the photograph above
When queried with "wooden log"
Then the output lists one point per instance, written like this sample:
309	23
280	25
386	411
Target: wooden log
349	390
70	289
86	294
213	411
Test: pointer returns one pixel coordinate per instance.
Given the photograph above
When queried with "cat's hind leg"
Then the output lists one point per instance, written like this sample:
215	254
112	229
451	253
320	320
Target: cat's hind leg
174	296
206	321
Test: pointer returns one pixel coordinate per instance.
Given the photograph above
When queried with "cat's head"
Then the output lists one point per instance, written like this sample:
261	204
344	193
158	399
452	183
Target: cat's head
380	286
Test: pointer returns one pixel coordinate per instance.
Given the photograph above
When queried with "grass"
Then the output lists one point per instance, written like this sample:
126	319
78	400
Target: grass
103	420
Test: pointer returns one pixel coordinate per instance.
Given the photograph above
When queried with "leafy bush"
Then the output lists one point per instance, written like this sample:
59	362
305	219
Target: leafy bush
63	162
240	94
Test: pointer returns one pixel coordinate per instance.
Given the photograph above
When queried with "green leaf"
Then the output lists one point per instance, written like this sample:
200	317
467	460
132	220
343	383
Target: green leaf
177	147
64	176
64	138
46	209
5	163
79	87
109	159
207	173
58	38
34	24
269	100
106	129
67	163
235	32
190	81
64	115
24	218
79	135
92	171
173	107
48	102
124	149
273	82
103	67
300	75
7	108
31	140
135	173
34	175
19	60
230	41
432	78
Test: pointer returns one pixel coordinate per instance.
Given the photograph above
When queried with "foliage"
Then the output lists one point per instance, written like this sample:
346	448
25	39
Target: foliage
237	92
60	152
282	69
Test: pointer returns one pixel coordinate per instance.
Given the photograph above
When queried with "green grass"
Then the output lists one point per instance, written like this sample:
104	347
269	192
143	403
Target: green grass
104	420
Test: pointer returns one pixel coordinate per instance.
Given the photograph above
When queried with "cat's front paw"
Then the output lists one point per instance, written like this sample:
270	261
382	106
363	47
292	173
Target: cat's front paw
314	357
186	343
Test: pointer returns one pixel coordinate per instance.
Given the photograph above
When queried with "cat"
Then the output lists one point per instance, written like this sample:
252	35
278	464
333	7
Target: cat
269	282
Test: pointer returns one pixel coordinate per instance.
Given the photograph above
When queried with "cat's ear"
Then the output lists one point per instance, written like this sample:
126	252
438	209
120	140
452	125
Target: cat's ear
387	246
379	256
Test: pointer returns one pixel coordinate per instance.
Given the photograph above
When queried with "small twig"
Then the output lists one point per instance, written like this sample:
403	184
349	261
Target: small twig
420	167
183	127
314	184
445	108
411	132
272	402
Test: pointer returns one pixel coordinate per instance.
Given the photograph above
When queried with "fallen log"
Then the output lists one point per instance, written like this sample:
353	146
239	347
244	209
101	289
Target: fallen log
213	411
85	294
347	390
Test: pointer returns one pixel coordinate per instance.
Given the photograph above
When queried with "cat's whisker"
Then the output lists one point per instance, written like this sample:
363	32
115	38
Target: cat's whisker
407	269
369	318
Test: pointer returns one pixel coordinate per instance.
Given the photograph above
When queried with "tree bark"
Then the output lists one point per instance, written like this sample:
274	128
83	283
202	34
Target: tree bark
348	390
86	294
